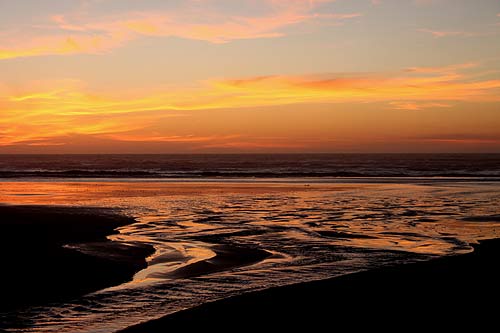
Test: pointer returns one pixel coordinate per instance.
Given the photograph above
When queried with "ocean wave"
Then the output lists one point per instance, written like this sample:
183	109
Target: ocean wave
249	166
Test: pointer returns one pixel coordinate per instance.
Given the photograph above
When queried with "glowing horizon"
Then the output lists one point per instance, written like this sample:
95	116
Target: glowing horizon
109	76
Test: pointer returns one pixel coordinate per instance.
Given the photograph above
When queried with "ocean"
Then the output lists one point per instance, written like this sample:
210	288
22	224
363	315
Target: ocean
249	166
317	216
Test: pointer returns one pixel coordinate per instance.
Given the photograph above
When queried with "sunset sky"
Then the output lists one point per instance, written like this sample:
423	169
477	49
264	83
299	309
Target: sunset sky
196	76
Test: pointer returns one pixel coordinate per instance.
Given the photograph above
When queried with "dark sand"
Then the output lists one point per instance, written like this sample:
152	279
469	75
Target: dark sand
39	260
448	292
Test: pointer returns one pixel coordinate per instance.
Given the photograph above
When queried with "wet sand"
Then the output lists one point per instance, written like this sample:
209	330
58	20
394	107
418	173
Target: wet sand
212	242
226	257
59	253
447	291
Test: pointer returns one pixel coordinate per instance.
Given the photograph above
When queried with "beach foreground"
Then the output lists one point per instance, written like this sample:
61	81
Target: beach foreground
462	287
58	253
71	267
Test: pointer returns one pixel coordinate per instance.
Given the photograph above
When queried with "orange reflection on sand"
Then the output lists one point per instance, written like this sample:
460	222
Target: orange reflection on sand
187	217
70	193
219	239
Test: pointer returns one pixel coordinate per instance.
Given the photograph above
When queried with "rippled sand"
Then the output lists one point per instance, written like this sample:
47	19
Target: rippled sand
213	240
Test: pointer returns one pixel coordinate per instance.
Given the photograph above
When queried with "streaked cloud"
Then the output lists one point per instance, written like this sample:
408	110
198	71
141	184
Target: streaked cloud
58	108
416	106
424	84
461	138
196	20
441	33
450	69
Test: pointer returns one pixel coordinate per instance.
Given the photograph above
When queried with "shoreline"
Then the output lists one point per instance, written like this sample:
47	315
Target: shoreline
420	293
259	180
57	253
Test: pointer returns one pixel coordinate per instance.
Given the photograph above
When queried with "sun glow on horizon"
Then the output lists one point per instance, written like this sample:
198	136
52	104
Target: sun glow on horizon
263	75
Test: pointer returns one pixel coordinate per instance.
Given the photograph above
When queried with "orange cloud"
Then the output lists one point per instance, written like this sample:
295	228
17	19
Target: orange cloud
57	108
127	137
461	138
72	98
426	84
94	36
64	45
413	106
253	145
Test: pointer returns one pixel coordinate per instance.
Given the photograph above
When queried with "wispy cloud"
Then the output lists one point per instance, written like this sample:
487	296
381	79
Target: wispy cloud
461	138
450	69
63	45
429	84
441	33
60	108
422	84
196	20
417	106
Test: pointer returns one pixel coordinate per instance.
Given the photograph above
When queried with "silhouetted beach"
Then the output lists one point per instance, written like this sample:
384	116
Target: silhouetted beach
463	288
57	253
